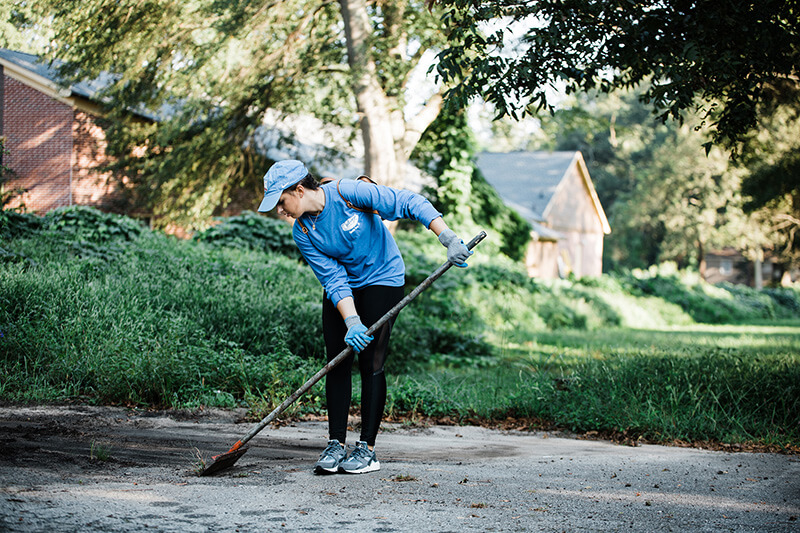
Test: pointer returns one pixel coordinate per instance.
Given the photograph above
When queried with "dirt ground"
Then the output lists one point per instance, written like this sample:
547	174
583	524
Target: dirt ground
114	469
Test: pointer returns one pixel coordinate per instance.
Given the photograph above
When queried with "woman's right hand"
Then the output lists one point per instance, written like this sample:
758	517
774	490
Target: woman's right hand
356	336
457	251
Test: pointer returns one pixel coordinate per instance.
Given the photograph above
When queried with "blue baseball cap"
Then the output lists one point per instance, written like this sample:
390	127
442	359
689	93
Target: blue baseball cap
278	178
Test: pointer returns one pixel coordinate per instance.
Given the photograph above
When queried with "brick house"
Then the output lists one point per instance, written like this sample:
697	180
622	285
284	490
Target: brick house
54	137
552	191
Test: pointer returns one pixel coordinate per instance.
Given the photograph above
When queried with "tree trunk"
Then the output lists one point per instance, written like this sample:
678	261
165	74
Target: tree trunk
758	270
701	259
380	161
388	139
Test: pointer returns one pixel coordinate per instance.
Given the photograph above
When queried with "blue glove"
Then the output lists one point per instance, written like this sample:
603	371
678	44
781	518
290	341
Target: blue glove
457	251
356	333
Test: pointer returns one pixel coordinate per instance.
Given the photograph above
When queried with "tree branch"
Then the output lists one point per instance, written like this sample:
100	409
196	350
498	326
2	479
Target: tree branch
417	125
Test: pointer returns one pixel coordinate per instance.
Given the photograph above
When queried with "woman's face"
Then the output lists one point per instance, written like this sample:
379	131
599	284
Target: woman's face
289	204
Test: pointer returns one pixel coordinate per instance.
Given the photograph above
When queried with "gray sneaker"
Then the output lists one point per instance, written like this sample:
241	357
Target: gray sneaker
330	458
361	460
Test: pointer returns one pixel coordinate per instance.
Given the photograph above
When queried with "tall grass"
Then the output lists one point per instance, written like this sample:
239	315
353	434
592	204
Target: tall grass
143	331
96	308
151	320
711	396
721	383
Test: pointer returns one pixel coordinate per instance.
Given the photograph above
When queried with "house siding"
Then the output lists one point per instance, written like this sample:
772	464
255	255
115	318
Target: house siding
55	151
541	259
571	208
582	253
554	192
572	213
38	133
90	185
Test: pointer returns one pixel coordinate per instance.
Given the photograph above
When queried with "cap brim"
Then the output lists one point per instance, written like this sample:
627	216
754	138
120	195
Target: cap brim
269	202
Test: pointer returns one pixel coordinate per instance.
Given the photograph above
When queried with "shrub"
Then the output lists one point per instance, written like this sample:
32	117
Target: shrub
558	315
495	276
698	299
14	224
787	300
254	232
92	224
96	306
168	322
598	311
438	327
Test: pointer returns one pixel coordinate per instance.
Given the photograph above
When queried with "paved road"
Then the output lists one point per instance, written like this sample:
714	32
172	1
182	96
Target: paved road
442	478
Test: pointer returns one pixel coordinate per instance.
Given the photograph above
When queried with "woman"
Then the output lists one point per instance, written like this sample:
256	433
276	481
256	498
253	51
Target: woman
339	231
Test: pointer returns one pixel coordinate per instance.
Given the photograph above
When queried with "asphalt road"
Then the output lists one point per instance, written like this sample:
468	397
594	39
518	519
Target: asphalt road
444	478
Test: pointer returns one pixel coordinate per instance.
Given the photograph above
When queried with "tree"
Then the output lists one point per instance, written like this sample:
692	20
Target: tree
388	138
771	162
19	28
212	69
666	199
447	151
727	66
690	201
729	60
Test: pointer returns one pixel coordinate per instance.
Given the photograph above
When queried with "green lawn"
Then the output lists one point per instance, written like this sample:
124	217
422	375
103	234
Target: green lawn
95	308
729	383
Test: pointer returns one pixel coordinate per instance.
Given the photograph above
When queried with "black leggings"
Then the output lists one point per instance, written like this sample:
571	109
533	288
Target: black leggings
371	304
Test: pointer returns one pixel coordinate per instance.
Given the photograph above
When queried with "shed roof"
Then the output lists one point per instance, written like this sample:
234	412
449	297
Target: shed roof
529	197
527	181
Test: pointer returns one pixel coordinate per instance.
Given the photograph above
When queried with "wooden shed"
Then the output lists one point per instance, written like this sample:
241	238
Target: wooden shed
554	192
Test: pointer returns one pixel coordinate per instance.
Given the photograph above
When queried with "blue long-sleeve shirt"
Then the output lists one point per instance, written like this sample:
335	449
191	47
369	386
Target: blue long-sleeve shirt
351	249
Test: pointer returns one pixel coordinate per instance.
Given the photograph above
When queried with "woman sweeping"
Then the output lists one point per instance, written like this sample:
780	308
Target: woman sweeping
340	234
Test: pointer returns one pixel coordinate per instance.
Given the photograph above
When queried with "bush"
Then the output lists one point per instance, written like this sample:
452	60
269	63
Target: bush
97	307
162	322
92	224
702	301
558	315
14	224
441	326
787	300
489	210
598	311
717	304
495	276
253	232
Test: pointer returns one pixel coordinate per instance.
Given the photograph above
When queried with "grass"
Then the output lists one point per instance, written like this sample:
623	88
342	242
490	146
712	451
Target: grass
162	323
95	309
731	384
99	452
199	462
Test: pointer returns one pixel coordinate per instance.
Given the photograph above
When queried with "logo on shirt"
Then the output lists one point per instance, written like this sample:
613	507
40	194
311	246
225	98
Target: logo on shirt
351	224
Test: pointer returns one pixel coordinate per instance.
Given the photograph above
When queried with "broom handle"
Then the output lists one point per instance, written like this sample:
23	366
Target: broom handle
339	358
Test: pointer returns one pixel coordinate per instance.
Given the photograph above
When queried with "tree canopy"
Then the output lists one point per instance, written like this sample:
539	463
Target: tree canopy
212	69
731	69
20	29
729	60
665	198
